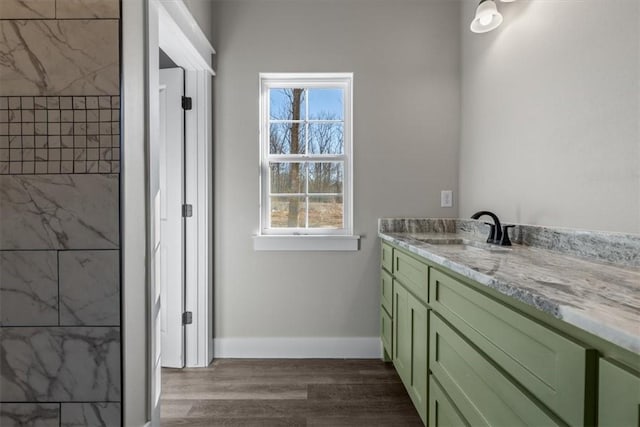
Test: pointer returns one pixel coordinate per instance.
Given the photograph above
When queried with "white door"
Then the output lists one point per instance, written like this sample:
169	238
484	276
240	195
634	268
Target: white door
172	228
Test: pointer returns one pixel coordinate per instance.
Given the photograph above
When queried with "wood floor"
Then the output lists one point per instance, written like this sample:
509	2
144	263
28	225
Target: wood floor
268	392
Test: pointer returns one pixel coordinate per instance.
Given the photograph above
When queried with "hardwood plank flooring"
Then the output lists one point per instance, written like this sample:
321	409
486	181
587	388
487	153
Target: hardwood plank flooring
274	392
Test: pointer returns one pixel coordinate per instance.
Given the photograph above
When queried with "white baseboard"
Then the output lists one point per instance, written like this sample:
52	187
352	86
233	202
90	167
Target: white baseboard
298	348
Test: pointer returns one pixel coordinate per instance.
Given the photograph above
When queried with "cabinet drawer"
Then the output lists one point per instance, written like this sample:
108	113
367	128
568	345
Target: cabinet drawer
618	396
386	291
550	366
386	257
413	274
442	412
386	330
483	395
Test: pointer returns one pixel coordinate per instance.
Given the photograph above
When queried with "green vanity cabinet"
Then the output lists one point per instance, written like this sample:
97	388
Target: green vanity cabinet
550	366
386	331
404	284
401	333
442	412
412	273
479	389
386	301
618	396
419	326
410	341
386	257
470	356
386	292
386	313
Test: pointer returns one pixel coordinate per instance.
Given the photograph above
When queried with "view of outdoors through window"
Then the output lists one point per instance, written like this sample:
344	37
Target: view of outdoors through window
306	157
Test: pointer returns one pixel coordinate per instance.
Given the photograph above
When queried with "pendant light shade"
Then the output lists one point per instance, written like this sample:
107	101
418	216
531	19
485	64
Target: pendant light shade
487	17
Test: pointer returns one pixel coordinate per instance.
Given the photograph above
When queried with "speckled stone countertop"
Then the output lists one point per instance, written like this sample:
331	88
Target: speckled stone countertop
569	282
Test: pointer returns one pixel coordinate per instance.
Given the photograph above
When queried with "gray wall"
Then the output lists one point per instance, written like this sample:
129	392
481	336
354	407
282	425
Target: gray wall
551	114
202	11
405	56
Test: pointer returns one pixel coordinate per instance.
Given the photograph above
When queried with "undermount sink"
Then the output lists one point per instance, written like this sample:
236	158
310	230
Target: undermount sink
464	244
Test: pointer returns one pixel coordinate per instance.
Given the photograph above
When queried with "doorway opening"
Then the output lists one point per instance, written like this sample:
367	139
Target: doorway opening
180	195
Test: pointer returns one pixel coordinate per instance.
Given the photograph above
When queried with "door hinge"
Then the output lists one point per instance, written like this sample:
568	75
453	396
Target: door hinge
187	318
187	211
187	103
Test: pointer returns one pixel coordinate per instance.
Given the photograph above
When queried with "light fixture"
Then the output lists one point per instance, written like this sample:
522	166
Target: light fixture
487	17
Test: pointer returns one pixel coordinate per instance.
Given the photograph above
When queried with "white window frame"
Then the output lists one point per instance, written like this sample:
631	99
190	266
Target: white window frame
306	238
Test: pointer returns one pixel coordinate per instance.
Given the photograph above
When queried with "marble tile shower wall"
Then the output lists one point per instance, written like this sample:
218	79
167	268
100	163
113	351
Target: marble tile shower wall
50	135
59	213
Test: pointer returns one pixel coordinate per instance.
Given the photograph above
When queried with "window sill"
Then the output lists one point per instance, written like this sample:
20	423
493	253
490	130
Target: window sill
306	243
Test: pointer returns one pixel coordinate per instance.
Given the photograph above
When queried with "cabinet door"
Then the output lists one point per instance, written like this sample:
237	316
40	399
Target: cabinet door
442	413
401	333
618	397
419	329
386	328
386	291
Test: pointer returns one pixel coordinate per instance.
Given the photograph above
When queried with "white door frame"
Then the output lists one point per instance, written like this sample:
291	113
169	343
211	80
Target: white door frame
134	213
147	26
199	228
180	37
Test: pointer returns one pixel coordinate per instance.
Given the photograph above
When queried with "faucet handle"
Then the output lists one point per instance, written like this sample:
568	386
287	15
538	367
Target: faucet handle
505	241
492	232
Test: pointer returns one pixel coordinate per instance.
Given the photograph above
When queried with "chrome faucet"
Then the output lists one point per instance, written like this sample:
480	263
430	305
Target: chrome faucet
497	235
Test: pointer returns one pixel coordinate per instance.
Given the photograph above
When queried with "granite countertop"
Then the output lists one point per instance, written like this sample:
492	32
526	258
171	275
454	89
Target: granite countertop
602	298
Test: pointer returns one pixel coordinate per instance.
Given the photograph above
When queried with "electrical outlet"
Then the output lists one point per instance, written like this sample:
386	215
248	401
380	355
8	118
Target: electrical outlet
446	199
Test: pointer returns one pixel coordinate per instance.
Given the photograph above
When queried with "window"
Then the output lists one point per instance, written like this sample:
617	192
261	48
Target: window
306	156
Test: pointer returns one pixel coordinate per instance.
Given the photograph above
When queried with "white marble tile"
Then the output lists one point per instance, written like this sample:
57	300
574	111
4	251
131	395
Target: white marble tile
90	415
29	415
27	9
59	57
87	9
90	288
28	288
60	364
59	212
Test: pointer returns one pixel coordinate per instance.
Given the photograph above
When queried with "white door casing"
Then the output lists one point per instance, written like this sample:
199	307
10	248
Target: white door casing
184	42
146	26
181	38
154	237
199	241
172	227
